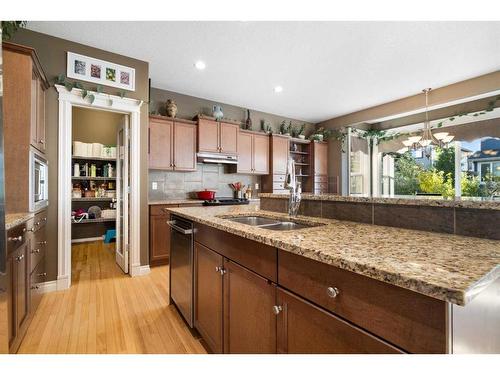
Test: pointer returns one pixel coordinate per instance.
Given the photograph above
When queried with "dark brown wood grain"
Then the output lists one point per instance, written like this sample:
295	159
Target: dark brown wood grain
412	321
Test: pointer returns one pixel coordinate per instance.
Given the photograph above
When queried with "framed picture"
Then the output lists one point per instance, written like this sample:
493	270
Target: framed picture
102	72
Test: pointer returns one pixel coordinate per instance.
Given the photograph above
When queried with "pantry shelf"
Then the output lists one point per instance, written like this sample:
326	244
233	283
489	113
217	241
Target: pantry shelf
83	178
89	221
92	199
93	158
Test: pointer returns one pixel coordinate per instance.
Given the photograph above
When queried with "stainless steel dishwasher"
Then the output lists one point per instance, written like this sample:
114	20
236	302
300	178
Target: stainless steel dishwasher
181	273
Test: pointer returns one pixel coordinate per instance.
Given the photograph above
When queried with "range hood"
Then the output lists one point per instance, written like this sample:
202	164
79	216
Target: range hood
216	158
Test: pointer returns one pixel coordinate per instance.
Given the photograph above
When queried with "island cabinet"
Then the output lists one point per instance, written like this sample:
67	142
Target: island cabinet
253	153
217	136
172	144
253	298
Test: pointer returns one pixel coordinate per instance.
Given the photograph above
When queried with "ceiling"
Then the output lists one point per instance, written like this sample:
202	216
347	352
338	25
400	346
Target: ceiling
326	69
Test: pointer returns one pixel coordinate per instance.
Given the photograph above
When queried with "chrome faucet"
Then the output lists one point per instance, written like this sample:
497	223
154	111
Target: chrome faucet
293	185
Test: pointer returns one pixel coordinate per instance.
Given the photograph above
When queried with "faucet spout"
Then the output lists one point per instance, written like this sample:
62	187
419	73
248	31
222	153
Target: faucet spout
295	188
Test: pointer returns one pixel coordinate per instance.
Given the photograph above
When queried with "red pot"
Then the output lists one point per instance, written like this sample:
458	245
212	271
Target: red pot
206	195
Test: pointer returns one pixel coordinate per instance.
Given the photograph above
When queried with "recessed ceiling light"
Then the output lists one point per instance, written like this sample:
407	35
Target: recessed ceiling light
200	65
278	89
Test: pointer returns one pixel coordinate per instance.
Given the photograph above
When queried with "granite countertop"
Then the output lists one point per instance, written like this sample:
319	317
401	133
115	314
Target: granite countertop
409	201
13	220
444	266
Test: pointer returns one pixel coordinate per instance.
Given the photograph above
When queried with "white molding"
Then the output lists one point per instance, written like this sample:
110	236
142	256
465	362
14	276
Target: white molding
139	270
131	107
48	286
88	239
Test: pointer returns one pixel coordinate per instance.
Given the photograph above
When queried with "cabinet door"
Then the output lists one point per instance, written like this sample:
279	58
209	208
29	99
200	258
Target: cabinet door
208	136
11	299
40	122
245	164
184	147
159	239
320	159
229	138
260	154
208	296
304	328
280	145
160	144
21	287
249	321
34	115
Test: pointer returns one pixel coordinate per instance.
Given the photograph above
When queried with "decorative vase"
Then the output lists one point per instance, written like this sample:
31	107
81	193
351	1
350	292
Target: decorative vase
217	112
171	108
302	136
248	122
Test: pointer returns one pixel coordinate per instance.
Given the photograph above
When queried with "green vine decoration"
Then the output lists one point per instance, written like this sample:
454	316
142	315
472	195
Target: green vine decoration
9	28
492	104
86	93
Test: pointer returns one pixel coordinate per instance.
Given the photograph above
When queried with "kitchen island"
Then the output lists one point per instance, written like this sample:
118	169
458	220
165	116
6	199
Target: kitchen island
417	291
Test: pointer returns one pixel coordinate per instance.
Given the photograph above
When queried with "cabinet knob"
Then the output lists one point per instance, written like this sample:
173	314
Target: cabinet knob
221	270
217	269
42	274
35	287
16	239
42	243
221	149
36	251
277	309
41	141
20	258
332	292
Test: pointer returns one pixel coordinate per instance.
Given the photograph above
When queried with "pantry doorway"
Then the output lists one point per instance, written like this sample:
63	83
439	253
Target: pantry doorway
123	175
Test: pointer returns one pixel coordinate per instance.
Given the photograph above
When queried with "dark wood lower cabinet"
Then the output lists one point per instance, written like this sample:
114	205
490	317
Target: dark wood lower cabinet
305	328
249	321
208	297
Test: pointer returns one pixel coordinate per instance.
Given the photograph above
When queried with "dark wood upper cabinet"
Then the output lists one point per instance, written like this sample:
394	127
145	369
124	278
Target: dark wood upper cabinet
208	297
253	153
217	136
228	138
306	329
184	146
278	159
320	151
208	135
160	143
249	321
172	144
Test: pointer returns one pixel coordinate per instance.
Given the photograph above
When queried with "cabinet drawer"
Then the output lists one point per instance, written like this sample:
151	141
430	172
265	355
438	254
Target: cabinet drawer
410	320
256	256
38	222
159	210
306	329
320	178
38	276
278	186
38	248
278	178
16	237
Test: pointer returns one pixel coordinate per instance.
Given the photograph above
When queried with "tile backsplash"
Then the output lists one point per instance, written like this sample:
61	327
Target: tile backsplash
181	185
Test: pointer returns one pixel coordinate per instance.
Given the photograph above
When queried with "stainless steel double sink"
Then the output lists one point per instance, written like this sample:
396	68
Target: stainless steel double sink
271	224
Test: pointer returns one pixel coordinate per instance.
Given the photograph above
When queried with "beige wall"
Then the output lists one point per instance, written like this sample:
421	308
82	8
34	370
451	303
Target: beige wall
189	106
95	126
52	53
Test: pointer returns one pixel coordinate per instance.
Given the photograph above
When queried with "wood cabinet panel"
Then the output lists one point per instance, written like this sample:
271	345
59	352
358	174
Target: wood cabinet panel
184	147
208	135
159	240
208	297
160	144
228	138
249	321
407	319
280	147
245	156
34	114
320	150
40	123
260	154
260	258
304	328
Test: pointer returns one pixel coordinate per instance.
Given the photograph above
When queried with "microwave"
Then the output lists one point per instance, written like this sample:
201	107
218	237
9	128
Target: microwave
39	175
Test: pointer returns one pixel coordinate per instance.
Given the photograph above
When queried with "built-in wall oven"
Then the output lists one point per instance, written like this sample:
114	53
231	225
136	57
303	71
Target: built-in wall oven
182	266
39	174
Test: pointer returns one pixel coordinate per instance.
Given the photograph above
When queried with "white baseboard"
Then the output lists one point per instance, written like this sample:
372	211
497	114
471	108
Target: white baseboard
89	239
63	282
139	270
48	286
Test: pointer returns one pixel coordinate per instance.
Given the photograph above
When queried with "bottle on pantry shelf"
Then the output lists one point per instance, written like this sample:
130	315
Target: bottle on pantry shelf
76	170
110	170
93	170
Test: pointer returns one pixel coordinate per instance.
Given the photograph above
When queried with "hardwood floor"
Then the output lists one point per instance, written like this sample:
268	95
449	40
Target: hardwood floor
106	311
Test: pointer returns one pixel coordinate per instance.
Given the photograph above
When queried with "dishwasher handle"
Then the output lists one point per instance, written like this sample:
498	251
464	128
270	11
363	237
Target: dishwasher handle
173	225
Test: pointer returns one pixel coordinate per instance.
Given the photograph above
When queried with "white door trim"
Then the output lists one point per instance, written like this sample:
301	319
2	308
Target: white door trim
130	107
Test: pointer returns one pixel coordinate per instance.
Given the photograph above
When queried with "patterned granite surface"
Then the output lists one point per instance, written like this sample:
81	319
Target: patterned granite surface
460	203
447	267
12	220
175	201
